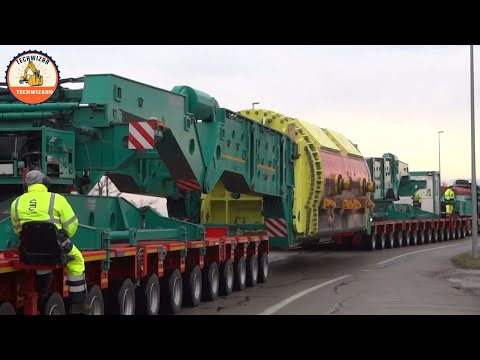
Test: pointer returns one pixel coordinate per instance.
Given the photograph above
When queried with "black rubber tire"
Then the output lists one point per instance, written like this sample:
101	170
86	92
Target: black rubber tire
147	296
413	237
7	309
95	298
263	268
121	297
240	271
447	234
171	293
463	232
398	239
252	271
390	240
441	235
428	236
406	238
420	237
226	278
192	287
381	241
54	305
457	233
211	282
371	242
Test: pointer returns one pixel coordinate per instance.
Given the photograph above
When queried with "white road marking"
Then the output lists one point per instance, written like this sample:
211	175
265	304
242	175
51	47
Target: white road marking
273	309
277	259
367	270
414	252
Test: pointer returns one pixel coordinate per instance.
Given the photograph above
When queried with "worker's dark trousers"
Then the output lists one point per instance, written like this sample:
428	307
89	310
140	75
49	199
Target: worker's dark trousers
417	204
76	284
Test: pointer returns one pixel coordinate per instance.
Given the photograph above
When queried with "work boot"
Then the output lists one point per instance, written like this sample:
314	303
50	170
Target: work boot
81	309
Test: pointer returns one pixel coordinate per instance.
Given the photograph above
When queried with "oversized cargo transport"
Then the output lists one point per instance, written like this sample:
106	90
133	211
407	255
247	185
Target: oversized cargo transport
237	184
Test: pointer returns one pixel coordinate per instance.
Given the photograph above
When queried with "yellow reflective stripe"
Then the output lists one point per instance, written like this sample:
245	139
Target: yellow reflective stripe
76	288
70	221
51	207
17	218
76	277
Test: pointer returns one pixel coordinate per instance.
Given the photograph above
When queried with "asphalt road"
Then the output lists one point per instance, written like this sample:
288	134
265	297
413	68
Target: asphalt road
409	280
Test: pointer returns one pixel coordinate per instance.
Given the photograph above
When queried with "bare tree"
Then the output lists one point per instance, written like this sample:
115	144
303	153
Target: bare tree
105	187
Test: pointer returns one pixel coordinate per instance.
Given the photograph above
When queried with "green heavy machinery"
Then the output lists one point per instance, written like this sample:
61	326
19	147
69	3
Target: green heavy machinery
393	181
146	140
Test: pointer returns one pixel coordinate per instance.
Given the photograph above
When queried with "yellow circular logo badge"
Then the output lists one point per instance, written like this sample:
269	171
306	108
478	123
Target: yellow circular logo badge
32	77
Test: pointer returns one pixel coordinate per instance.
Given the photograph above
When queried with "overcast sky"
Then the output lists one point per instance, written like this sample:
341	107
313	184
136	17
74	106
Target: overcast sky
383	98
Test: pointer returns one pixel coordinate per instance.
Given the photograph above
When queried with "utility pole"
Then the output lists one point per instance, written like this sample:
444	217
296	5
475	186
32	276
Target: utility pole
439	162
474	172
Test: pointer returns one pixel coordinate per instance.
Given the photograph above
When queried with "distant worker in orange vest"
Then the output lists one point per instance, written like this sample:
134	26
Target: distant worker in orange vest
449	199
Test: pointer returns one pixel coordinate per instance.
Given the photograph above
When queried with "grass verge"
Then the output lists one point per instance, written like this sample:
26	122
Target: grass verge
466	261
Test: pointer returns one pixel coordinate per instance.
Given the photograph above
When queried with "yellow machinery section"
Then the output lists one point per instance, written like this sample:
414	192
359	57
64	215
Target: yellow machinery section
343	143
309	178
308	170
222	207
320	138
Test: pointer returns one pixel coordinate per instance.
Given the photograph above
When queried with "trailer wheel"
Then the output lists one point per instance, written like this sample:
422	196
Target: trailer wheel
263	268
398	239
147	296
371	242
227	277
95	298
420	237
171	293
54	305
441	234
121	297
428	236
7	309
210	281
446	236
463	232
413	237
381	241
192	287
240	267
391	240
434	235
406	237
252	271
457	232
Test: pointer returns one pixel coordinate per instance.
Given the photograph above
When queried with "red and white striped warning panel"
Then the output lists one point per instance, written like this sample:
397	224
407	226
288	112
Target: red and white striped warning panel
140	136
188	185
276	227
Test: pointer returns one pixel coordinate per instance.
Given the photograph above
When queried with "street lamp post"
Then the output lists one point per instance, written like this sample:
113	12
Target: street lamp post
439	162
474	173
254	103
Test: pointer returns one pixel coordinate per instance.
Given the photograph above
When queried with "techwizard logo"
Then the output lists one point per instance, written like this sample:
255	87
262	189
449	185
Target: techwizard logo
32	77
